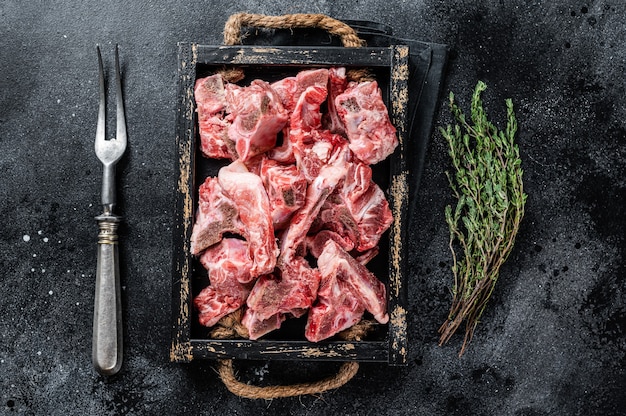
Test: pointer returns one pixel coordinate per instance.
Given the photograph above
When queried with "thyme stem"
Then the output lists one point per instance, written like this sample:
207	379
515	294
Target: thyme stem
490	196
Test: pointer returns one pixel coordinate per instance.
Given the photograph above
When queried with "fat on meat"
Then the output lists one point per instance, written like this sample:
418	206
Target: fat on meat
247	191
228	264
216	215
366	121
257	117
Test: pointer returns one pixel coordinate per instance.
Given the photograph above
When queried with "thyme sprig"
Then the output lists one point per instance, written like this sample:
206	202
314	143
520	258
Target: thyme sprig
489	188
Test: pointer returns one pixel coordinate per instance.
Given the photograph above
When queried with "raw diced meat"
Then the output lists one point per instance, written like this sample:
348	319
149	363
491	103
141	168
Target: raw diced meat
210	95
228	264
286	189
307	116
272	298
313	192
364	115
317	148
258	116
217	214
336	309
315	243
365	286
367	204
228	261
246	190
289	89
316	195
337	84
258	327
372	215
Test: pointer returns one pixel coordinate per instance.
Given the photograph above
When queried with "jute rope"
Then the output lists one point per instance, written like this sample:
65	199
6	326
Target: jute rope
232	29
348	36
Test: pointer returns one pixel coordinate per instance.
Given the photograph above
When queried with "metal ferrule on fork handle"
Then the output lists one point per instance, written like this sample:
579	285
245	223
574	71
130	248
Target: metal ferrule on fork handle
107	323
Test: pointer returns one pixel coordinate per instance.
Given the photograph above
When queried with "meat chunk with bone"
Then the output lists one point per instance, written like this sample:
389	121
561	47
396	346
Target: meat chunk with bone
217	215
237	122
274	298
213	120
228	264
247	191
289	90
347	289
364	115
286	189
258	116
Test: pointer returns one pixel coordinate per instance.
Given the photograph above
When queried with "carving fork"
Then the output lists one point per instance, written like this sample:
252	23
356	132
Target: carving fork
107	320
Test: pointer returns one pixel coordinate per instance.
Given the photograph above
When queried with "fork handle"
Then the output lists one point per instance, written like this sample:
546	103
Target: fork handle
107	322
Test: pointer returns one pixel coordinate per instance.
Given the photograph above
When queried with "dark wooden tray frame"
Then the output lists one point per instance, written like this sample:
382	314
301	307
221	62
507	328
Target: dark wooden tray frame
192	58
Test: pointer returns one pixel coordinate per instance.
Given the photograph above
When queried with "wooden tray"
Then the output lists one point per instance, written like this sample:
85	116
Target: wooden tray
387	343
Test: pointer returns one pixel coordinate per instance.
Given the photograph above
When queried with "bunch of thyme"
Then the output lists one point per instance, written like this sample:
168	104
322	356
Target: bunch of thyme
489	188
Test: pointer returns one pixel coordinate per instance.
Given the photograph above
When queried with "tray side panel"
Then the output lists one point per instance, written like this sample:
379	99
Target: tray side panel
254	55
398	200
291	350
181	349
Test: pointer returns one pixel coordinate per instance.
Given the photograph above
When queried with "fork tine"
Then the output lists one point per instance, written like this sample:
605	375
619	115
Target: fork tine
121	118
100	129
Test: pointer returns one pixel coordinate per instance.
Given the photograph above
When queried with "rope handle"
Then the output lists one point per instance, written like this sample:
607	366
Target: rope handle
226	372
234	24
348	36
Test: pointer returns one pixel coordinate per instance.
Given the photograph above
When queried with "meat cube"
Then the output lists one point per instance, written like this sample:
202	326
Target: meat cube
364	285
258	116
213	123
336	309
228	264
247	191
315	242
228	261
286	189
367	204
306	115
217	214
366	121
272	298
289	89
316	195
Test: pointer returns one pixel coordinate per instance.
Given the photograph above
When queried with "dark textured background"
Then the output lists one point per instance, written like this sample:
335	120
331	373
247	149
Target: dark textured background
552	340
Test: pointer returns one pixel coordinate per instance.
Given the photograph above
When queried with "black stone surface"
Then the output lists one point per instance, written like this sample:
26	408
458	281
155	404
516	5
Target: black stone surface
553	339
